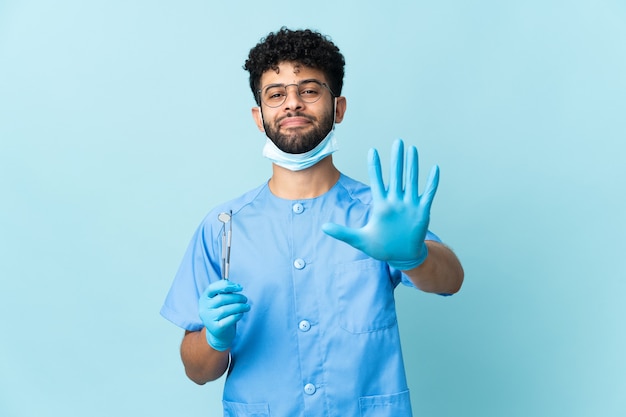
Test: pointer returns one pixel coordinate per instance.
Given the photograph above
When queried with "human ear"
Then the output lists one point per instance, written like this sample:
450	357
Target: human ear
257	115
340	109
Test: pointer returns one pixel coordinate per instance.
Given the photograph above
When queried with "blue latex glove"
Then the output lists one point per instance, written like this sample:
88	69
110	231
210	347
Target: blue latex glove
397	227
220	308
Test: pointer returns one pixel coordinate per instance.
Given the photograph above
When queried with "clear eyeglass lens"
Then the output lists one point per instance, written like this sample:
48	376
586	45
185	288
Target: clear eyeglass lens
308	91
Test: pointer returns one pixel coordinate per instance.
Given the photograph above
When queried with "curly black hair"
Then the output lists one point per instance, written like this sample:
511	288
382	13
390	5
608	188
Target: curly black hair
306	47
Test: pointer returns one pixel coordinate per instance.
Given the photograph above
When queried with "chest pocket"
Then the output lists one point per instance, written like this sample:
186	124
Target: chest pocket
364	296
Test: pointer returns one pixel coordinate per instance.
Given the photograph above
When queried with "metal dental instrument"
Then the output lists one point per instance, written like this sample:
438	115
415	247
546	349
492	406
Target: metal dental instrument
226	240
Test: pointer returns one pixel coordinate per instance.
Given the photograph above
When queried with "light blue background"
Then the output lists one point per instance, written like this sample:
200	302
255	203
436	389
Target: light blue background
123	122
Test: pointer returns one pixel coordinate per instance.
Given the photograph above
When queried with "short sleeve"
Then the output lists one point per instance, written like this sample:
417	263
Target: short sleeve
195	273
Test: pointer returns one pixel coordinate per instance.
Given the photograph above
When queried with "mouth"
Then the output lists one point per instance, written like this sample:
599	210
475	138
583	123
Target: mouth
294	121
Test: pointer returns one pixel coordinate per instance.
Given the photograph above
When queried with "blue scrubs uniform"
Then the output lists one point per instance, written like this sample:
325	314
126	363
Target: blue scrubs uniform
321	338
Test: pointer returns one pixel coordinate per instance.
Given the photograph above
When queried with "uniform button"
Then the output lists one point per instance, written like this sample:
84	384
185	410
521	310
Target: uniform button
299	263
309	389
297	208
304	325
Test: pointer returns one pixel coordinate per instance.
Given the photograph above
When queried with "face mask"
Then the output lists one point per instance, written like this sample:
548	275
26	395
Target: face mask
298	162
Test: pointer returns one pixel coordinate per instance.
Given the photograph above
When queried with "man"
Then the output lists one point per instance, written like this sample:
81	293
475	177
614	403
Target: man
306	323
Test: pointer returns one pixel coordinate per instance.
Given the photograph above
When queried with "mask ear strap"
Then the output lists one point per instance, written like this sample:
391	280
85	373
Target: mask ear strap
261	116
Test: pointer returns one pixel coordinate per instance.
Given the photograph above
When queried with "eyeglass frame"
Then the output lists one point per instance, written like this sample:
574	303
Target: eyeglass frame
297	91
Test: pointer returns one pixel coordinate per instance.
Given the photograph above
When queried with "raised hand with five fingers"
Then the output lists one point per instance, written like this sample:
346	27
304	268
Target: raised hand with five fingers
398	225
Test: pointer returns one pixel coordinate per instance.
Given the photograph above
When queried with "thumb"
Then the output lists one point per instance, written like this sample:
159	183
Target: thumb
343	233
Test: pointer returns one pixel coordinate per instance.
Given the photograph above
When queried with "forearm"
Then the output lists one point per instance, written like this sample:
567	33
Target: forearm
441	272
202	362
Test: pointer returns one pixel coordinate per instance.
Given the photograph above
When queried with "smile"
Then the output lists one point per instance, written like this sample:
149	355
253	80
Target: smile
295	121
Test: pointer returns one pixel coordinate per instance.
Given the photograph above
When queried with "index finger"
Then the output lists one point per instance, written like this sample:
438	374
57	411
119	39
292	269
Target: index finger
222	286
375	174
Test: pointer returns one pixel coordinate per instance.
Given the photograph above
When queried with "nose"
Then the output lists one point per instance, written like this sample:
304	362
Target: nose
293	101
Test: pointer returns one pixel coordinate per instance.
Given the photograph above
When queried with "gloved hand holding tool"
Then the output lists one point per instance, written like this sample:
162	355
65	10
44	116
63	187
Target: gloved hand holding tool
220	308
398	225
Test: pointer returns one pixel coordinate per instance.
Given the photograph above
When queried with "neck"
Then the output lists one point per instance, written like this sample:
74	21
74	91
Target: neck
307	183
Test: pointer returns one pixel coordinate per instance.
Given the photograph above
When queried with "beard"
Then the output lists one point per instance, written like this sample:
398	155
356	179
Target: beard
300	142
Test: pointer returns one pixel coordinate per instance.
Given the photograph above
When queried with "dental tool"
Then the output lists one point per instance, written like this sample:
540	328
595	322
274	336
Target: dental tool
226	241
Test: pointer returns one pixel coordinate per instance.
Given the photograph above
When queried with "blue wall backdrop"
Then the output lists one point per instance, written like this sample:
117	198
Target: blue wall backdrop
123	122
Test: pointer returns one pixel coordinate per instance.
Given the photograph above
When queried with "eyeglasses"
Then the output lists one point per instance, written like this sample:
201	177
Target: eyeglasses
309	91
